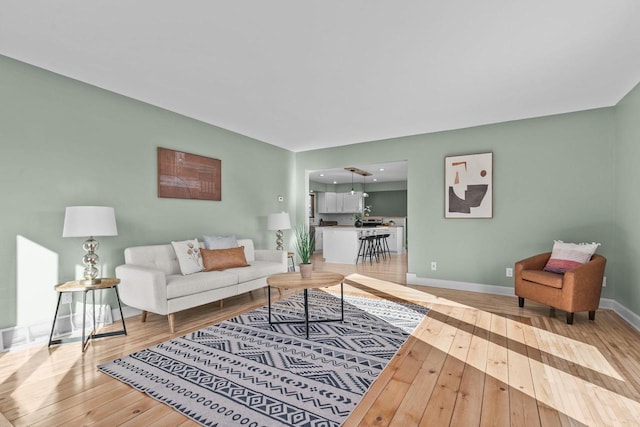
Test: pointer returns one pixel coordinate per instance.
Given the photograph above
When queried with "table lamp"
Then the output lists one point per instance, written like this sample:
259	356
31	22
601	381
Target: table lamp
83	221
278	222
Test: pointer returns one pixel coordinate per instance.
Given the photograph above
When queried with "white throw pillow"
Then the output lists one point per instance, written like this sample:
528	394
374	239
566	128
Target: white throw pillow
189	256
567	256
220	242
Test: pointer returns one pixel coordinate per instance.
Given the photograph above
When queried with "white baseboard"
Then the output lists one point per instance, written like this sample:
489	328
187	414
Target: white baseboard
21	337
412	279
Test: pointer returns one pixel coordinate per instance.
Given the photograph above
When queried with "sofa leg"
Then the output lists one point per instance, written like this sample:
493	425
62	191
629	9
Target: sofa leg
520	302
592	315
143	318
221	303
569	318
172	322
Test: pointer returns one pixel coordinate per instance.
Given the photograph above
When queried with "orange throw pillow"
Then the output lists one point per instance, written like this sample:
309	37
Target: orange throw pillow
221	259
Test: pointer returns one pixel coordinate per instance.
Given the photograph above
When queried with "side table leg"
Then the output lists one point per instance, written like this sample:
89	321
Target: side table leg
306	311
84	317
124	328
55	317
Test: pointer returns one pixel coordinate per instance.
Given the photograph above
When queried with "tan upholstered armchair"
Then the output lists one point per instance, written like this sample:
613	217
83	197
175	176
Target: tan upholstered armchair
576	290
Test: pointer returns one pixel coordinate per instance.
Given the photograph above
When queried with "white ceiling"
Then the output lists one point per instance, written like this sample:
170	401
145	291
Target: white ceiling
380	172
310	74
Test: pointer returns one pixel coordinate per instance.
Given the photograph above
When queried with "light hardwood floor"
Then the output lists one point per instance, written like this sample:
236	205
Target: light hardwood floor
475	360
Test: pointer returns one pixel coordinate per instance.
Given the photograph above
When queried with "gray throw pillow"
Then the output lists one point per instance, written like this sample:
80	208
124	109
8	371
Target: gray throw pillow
220	242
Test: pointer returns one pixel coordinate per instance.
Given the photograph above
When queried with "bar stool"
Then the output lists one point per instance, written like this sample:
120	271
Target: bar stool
367	247
385	244
379	245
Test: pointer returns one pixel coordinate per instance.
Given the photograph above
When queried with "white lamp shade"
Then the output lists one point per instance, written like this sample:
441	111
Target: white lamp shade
278	221
85	221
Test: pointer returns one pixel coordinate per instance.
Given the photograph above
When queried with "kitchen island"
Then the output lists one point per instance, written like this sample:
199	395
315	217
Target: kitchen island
340	244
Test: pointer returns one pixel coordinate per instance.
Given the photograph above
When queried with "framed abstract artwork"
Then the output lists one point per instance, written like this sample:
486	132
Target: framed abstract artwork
468	186
188	176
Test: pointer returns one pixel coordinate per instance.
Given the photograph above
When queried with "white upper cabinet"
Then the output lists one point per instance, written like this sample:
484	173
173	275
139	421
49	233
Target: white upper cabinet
330	202
352	203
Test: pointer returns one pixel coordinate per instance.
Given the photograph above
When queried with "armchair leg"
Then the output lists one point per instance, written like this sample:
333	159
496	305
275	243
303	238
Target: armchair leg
569	318
143	318
592	315
520	302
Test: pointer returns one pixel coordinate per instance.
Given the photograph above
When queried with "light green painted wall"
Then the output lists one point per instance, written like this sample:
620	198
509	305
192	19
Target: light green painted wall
627	229
388	203
66	143
553	179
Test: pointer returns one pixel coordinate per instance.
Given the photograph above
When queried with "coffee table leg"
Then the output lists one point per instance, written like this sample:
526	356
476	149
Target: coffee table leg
269	303
306	311
341	301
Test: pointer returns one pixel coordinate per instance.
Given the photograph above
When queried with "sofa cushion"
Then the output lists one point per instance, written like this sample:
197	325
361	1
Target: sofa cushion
189	256
178	285
222	259
546	278
257	270
249	252
220	242
566	256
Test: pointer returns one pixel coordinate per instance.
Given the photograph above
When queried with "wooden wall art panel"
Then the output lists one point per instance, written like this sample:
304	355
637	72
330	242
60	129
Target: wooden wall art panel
188	176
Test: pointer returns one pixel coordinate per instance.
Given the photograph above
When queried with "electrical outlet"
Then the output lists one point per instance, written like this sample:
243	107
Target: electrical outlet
509	272
434	266
67	298
604	282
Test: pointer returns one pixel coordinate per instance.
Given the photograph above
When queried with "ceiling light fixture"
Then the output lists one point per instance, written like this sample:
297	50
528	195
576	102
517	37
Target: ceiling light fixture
352	192
364	193
381	169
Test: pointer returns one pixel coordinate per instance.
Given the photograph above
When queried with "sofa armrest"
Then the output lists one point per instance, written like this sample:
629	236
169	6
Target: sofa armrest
536	262
272	255
143	287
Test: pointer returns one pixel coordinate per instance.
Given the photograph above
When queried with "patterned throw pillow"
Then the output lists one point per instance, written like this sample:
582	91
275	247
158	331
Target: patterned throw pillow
566	256
189	256
221	259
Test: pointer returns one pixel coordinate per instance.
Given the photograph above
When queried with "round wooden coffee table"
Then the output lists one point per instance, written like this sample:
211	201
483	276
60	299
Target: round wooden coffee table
319	279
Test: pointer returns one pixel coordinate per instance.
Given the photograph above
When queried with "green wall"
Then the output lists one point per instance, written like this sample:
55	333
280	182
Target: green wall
627	228
570	177
66	143
387	203
553	179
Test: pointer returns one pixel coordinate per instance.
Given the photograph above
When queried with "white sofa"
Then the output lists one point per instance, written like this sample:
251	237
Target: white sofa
150	279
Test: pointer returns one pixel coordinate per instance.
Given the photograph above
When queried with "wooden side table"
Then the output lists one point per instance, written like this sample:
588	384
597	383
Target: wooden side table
81	286
292	266
319	279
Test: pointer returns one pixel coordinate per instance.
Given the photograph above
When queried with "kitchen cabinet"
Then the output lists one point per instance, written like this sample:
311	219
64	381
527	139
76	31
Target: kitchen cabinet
330	202
318	237
396	239
352	203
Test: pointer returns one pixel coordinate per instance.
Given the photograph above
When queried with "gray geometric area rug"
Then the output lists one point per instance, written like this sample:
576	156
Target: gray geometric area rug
246	372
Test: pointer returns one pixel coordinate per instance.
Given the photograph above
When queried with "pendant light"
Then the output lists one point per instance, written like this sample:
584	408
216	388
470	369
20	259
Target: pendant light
364	193
352	191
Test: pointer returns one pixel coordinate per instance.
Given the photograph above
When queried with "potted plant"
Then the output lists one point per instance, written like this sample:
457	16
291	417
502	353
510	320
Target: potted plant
358	218
305	244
